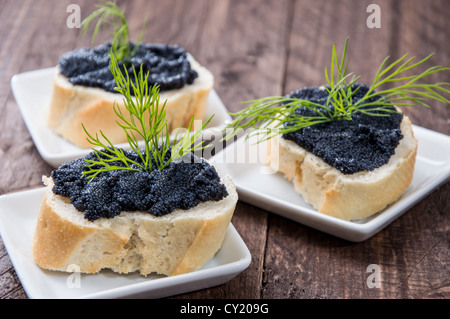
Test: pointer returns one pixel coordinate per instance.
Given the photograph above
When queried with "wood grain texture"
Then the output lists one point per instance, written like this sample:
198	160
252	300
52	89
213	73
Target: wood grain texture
258	48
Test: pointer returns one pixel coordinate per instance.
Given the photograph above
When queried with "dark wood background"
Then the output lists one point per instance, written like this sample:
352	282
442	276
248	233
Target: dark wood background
258	48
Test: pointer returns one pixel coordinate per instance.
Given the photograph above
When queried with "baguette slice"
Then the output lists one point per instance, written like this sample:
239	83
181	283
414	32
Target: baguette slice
173	244
71	105
349	197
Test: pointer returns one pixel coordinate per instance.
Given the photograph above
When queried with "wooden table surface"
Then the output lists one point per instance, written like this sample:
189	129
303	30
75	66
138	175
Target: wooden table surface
259	48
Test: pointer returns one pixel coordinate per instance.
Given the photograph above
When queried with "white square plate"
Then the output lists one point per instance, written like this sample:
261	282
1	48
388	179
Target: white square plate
18	213
259	186
32	91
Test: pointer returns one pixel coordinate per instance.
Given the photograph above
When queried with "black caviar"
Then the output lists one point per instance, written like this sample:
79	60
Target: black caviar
364	143
168	66
183	184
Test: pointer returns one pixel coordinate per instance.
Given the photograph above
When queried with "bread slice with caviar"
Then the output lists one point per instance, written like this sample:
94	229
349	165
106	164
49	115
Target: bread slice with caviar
135	241
84	89
73	104
347	148
346	196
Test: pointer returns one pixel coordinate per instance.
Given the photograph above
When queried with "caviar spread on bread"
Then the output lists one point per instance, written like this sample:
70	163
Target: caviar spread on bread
175	219
168	65
361	144
84	88
183	184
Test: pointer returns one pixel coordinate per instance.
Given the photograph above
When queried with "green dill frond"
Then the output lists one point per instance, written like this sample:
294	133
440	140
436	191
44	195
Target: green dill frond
268	116
109	13
145	122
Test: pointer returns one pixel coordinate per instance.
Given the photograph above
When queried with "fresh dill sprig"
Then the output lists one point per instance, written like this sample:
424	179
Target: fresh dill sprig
108	13
145	122
275	115
266	116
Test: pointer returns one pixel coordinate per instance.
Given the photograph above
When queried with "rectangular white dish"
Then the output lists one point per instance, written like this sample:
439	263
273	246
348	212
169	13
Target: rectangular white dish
257	185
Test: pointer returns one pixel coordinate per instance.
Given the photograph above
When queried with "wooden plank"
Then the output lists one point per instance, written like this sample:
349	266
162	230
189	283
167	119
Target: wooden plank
423	29
412	254
320	24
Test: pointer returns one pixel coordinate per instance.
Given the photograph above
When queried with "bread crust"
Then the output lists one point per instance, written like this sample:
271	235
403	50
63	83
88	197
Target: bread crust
197	254
58	240
173	244
349	197
70	105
